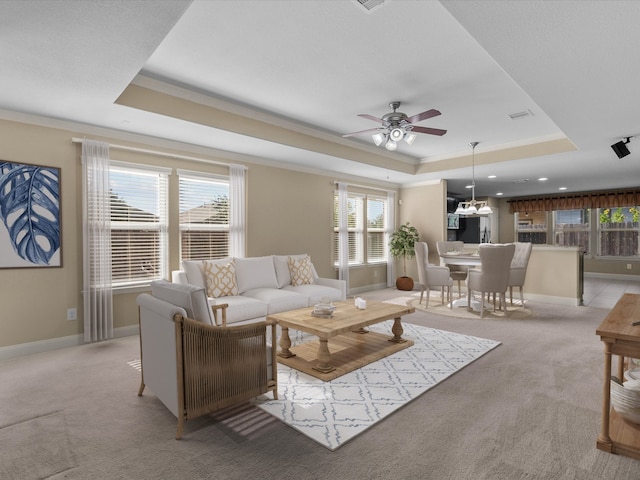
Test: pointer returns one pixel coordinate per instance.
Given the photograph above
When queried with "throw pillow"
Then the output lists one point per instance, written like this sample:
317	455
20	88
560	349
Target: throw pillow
300	270
221	279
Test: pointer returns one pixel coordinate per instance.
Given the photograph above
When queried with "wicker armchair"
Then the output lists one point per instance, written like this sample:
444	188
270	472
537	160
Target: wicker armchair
195	368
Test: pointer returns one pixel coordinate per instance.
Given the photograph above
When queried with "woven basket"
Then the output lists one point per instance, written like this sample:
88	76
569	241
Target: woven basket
626	401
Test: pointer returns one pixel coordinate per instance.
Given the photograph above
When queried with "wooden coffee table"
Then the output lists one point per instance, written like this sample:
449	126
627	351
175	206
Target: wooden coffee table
351	347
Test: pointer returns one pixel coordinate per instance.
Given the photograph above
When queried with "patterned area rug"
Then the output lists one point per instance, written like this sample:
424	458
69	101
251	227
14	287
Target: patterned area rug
332	413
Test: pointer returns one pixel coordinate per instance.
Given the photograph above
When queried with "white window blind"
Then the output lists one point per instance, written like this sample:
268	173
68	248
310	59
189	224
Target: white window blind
138	224
355	226
376	241
204	217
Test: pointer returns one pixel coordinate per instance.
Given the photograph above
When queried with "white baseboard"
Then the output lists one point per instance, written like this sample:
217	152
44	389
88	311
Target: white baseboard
22	349
613	276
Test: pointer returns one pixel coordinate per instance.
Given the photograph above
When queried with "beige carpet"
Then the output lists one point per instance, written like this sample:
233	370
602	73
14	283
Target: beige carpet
514	312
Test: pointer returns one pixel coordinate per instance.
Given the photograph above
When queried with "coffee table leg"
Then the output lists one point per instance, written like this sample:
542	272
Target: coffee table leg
397	331
323	357
285	343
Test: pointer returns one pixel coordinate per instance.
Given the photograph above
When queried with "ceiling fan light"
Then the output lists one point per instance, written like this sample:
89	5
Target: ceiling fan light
378	138
485	210
396	134
391	145
409	138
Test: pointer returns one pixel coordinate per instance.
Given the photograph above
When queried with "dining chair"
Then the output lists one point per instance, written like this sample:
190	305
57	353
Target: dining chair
458	272
493	275
430	275
518	270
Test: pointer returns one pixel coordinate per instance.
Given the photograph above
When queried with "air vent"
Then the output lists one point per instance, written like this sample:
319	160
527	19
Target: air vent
519	115
370	5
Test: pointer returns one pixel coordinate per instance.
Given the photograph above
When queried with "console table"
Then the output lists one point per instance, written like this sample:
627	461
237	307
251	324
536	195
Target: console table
620	338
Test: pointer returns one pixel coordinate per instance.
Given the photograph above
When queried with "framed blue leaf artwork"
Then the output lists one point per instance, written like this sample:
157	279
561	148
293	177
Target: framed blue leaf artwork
30	234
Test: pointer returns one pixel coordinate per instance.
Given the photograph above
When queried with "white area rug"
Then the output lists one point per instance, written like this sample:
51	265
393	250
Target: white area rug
332	413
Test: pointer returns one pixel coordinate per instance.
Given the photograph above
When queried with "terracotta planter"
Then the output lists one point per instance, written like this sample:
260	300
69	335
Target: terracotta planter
404	283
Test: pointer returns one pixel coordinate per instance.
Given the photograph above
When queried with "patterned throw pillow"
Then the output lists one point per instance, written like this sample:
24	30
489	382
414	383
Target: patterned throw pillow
300	270
221	279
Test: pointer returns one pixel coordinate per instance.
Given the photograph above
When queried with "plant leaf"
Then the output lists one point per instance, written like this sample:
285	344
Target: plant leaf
30	209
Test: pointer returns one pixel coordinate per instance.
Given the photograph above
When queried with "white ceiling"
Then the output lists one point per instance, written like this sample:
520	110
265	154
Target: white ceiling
312	66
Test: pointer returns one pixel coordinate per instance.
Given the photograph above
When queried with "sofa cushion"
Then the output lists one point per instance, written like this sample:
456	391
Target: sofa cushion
316	293
300	270
242	308
194	271
190	297
281	263
255	272
278	300
221	278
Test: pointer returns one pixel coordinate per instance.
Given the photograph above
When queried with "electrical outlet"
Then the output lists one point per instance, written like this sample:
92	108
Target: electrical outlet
72	313
628	266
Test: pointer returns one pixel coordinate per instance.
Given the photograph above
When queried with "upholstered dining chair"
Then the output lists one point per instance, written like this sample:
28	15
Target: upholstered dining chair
431	275
458	272
518	270
493	275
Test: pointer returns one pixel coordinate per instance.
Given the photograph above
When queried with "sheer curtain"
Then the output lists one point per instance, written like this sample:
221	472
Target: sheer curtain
96	261
388	230
343	234
237	222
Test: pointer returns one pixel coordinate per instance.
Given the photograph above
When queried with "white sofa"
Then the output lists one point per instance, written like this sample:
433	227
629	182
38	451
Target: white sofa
263	285
195	368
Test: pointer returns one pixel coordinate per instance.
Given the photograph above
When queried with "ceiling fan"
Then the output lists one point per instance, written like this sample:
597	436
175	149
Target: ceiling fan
397	126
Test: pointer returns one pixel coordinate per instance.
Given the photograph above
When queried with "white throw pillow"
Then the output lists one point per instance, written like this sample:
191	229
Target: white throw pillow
300	271
194	271
221	279
255	272
190	297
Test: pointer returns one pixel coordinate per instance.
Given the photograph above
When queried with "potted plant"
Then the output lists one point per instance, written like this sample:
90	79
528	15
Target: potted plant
401	245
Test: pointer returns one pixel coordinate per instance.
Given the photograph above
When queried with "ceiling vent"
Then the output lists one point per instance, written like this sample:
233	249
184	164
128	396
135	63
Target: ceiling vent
370	5
519	115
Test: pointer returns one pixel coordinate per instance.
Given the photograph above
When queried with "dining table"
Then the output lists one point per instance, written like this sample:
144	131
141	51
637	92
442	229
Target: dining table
467	259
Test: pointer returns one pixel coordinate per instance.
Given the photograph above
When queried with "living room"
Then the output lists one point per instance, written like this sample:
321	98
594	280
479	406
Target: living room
290	208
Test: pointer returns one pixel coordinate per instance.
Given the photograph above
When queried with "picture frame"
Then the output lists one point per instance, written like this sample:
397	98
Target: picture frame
453	221
30	216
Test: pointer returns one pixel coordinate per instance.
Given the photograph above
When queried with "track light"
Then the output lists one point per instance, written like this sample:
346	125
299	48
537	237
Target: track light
621	148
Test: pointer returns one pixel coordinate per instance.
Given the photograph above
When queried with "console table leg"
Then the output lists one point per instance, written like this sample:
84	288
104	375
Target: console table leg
397	331
604	438
285	343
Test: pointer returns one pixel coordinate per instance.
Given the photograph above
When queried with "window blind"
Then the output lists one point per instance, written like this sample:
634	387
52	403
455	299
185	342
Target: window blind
139	223
204	217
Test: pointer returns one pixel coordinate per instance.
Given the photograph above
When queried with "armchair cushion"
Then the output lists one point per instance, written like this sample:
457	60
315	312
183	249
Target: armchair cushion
300	271
189	297
221	279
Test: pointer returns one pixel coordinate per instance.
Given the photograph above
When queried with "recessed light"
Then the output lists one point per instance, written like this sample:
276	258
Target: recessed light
562	188
499	194
468	186
543	179
491	176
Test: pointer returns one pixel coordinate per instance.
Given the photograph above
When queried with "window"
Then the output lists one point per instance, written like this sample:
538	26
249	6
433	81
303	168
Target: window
370	237
138	224
618	231
572	228
531	227
204	216
376	245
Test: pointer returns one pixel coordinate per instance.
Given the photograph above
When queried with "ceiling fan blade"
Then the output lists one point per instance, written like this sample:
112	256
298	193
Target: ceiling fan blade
363	131
423	116
430	131
371	117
